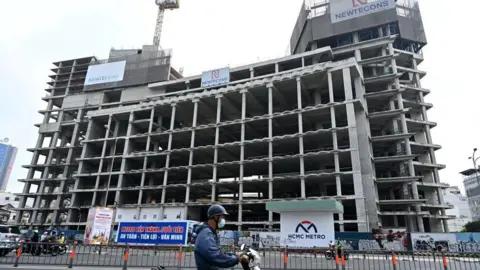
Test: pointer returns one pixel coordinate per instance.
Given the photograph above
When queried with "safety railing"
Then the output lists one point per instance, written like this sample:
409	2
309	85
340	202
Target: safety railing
182	257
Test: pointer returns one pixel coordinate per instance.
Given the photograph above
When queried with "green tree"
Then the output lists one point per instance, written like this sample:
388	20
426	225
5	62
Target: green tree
473	226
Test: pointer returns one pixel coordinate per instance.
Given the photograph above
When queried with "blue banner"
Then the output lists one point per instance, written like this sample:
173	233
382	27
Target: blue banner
153	233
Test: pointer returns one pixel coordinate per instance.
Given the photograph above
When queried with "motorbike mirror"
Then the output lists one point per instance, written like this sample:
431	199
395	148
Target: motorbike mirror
242	247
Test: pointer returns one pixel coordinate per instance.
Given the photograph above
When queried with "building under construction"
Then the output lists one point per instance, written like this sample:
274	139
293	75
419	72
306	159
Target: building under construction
343	117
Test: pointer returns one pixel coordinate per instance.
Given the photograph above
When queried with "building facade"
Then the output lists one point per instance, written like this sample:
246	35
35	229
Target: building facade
8	154
343	117
471	181
461	209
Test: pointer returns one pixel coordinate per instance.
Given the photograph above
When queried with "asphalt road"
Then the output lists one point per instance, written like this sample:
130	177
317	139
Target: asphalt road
144	259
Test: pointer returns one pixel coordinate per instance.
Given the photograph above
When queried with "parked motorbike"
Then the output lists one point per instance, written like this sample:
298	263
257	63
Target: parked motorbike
330	254
253	258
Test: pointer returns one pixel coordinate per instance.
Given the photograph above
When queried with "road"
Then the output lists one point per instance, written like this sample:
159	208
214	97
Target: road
144	259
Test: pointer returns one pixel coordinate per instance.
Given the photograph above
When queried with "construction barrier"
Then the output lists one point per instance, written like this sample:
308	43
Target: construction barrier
182	257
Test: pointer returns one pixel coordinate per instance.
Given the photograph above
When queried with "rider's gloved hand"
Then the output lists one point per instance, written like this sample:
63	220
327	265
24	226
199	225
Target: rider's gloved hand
243	257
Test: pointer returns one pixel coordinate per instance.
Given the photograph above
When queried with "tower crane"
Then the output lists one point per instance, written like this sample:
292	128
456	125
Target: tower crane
162	6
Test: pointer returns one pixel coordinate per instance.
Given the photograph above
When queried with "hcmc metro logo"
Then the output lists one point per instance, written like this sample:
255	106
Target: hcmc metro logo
306	226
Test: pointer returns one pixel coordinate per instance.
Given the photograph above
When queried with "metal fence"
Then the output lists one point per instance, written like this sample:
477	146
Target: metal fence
125	257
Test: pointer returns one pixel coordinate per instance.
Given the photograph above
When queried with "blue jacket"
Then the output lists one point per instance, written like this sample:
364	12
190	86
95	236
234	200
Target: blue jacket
208	255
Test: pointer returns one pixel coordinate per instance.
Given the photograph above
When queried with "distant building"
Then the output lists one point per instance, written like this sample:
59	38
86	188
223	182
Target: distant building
7	158
461	210
471	181
8	202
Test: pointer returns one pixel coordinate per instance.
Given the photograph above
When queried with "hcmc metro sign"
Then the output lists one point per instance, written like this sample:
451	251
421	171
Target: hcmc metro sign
306	230
341	10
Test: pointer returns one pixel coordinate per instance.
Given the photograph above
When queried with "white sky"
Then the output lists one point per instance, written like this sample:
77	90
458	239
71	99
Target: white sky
206	34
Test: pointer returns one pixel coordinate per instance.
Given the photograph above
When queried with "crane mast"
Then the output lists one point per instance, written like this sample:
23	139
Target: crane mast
162	6
158	26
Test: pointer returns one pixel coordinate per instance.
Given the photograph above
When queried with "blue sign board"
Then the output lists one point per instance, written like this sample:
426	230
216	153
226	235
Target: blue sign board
153	233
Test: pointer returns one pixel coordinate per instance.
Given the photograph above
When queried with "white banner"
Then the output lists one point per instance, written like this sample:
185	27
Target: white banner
341	10
215	77
105	73
99	224
307	229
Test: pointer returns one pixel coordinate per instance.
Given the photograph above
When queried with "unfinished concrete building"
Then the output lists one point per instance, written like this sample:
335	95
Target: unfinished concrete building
343	117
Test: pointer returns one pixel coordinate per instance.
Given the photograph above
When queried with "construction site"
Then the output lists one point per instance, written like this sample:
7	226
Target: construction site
342	117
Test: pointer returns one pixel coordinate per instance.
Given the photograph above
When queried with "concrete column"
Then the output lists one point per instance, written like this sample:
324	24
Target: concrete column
145	159
167	161
300	139
406	142
338	182
252	73
395	218
330	88
217	140
242	156
69	160
354	154
192	144
125	152
270	151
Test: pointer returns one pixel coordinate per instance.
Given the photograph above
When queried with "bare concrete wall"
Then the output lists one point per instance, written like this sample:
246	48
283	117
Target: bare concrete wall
79	100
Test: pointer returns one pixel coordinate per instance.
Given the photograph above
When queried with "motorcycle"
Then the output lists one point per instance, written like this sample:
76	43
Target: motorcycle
253	258
54	250
330	254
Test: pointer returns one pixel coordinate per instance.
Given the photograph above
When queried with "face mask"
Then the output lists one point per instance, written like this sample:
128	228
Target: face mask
221	224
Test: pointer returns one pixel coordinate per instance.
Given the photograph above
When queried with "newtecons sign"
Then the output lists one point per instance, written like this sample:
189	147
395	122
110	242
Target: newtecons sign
342	10
105	73
307	229
215	77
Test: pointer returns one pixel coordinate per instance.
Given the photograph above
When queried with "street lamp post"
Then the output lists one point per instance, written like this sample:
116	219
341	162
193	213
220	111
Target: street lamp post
111	166
474	160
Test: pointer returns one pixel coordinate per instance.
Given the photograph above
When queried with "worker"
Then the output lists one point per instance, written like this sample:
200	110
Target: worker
208	254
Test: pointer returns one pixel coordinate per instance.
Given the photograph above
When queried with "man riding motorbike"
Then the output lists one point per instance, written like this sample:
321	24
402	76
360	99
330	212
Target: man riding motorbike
208	255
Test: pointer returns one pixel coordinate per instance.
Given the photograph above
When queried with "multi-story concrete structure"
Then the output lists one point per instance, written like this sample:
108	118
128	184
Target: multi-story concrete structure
461	209
471	181
343	117
7	159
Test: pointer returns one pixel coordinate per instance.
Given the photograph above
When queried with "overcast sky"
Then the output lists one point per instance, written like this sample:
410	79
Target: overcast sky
206	34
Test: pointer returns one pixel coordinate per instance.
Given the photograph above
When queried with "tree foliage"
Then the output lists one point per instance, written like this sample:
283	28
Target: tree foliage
473	226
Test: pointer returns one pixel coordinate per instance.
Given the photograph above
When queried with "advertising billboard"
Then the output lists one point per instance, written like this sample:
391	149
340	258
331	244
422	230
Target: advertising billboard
153	233
304	229
342	10
99	225
105	73
215	77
